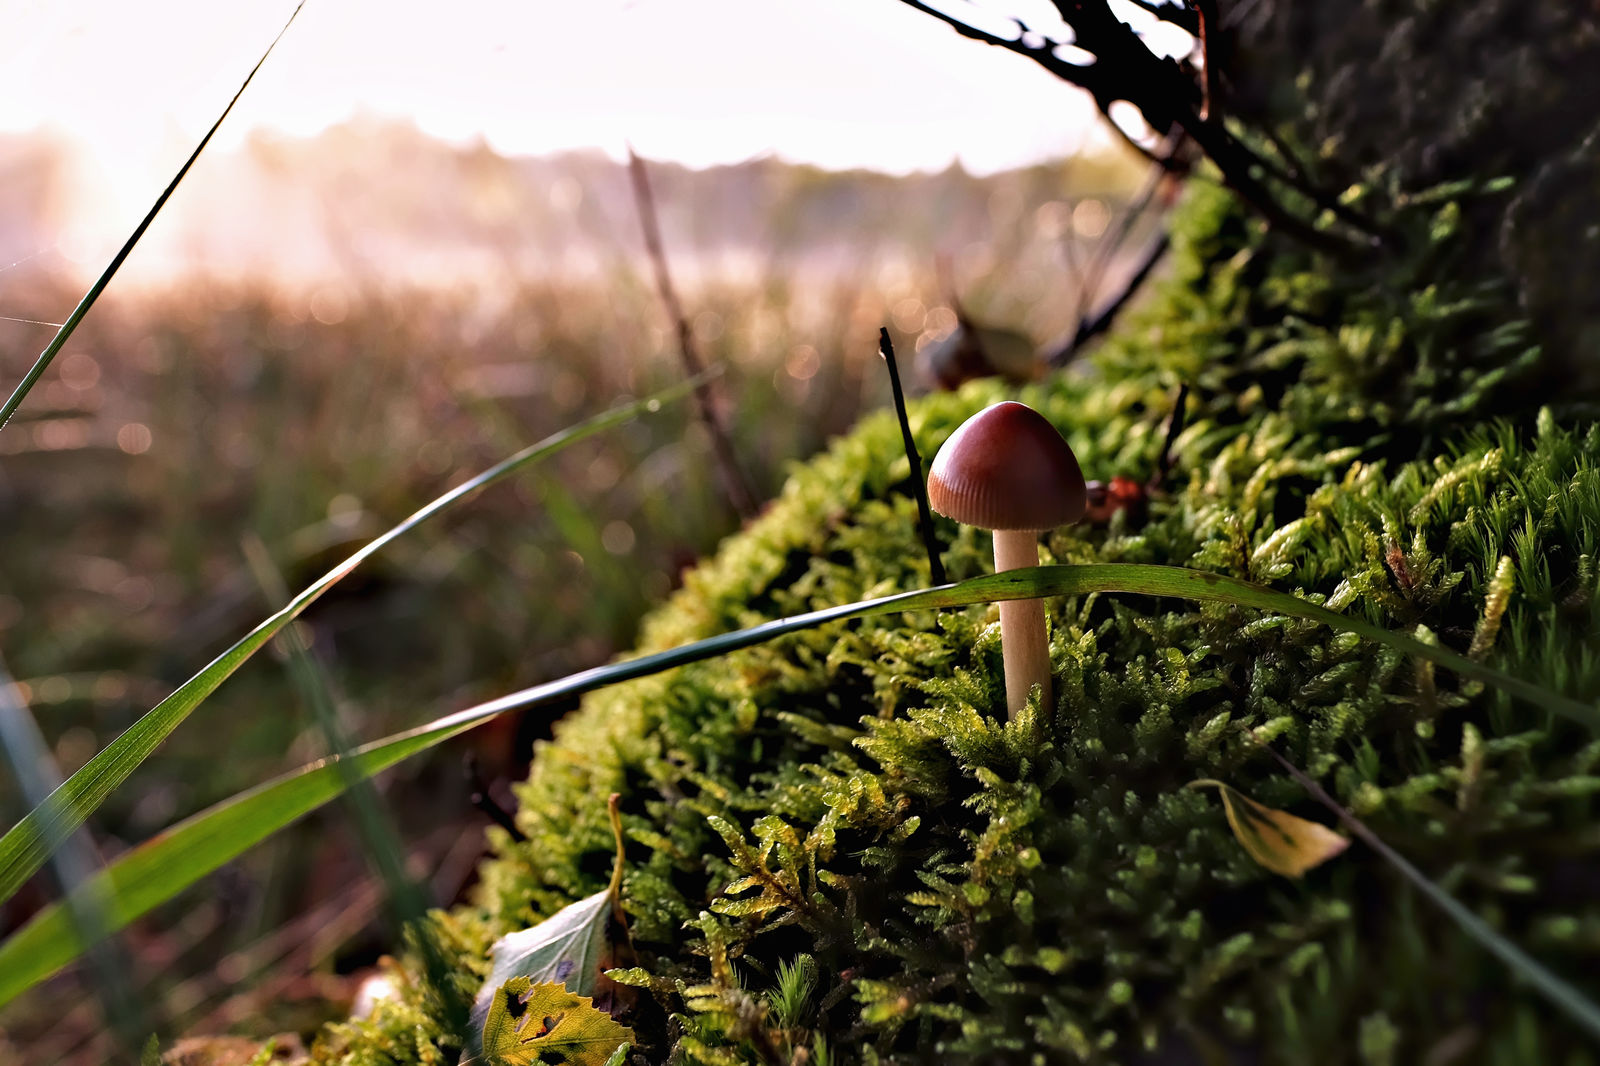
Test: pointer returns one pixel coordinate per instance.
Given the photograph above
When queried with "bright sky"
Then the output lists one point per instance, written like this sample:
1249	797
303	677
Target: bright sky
835	82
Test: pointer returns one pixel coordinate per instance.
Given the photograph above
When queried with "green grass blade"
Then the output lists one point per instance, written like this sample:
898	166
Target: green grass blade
374	828
60	339
1574	1003
33	768
159	869
30	842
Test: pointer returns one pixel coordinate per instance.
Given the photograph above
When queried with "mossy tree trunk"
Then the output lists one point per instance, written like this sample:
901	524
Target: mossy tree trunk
1419	93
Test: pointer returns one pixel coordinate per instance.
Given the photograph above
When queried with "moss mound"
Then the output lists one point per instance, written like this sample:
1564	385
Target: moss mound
838	843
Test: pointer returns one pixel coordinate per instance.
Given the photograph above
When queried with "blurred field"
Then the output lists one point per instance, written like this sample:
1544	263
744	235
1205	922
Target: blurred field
185	419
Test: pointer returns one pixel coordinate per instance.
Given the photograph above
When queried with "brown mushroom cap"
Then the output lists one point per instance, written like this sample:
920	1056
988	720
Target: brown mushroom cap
1007	468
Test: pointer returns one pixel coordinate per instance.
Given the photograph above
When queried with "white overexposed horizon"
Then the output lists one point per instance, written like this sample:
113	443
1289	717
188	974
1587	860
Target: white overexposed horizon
836	83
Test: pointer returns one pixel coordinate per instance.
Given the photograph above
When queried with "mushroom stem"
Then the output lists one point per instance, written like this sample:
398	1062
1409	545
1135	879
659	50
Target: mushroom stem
1022	640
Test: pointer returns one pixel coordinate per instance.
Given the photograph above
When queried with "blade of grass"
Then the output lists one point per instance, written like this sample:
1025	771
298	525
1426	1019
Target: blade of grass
26	845
34	769
60	339
376	830
157	870
1572	1002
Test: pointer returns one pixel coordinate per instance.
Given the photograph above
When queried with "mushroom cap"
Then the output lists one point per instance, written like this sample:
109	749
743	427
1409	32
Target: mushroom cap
1006	467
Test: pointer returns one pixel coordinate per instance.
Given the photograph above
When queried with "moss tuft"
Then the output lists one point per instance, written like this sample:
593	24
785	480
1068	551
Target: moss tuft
1046	889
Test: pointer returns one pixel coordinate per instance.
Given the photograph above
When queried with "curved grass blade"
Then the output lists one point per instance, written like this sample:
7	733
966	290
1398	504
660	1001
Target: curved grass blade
376	831
1574	1003
166	864
31	841
60	339
33	768
162	867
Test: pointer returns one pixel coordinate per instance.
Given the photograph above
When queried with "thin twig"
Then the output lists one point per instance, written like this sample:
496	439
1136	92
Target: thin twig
1175	13
1165	167
1234	160
1291	162
1206	20
60	339
1570	1000
1129	140
1086	77
734	484
1126	69
1088	329
1174	427
1296	178
930	540
1077	270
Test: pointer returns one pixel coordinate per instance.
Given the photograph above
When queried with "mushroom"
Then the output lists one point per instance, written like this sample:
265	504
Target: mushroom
1006	469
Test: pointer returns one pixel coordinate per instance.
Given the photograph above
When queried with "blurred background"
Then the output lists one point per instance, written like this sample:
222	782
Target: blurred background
412	250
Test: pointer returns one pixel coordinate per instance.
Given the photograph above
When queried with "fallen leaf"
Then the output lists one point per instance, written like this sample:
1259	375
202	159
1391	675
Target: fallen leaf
565	948
1281	842
569	949
544	1023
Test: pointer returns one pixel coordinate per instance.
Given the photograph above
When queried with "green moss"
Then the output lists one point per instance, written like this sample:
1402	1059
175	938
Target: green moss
1046	889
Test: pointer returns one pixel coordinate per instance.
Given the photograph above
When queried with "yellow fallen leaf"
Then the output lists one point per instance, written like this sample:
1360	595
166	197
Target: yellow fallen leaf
572	948
1281	842
544	1023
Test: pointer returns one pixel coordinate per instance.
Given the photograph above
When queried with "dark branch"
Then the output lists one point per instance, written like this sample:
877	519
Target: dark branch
1088	281
1180	16
722	450
1165	164
481	798
1170	165
1174	427
1125	69
1090	328
1206	10
930	539
1086	77
1292	174
1234	159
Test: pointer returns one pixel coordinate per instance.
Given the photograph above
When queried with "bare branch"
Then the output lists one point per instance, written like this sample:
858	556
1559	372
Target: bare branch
1089	284
1086	77
1164	164
1180	16
1206	12
733	481
1125	69
1169	166
1235	160
1089	328
1294	175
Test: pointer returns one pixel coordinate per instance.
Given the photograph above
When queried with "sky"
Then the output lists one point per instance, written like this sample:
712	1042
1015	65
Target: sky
840	83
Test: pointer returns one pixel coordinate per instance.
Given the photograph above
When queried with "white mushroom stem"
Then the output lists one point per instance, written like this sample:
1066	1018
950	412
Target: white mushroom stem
1022	641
